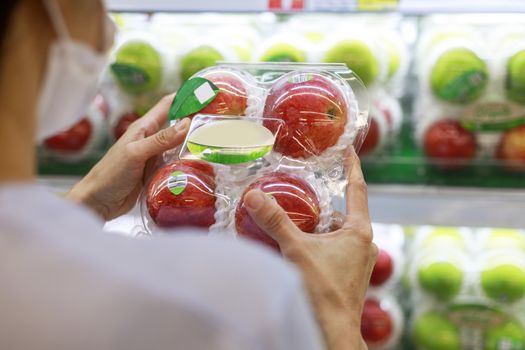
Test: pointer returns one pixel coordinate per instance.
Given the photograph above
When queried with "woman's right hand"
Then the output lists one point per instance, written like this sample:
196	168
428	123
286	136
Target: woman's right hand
336	266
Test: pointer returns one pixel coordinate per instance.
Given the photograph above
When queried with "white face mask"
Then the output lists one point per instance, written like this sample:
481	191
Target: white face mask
71	79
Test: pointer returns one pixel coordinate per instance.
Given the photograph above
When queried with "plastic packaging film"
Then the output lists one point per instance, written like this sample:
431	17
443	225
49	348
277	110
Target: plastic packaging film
280	128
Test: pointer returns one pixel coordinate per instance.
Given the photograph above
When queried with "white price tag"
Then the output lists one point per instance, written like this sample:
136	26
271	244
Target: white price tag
204	92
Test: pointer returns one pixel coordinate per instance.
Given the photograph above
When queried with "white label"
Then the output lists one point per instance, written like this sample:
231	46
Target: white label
204	92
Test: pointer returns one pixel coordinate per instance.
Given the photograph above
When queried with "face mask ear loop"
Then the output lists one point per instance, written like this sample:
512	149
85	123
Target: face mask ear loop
57	18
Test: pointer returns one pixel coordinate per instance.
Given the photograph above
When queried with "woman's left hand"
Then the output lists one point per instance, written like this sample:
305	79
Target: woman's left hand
112	187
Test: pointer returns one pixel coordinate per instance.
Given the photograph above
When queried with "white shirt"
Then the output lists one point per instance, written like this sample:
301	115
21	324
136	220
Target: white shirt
64	284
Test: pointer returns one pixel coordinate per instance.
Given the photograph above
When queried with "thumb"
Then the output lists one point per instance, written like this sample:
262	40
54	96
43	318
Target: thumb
162	140
271	218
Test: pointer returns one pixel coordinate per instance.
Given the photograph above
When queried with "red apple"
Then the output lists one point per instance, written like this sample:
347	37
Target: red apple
73	139
372	138
232	97
123	124
448	140
314	111
293	194
511	148
382	269
376	323
182	194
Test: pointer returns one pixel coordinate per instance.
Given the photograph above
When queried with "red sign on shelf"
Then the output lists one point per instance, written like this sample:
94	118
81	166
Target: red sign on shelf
283	5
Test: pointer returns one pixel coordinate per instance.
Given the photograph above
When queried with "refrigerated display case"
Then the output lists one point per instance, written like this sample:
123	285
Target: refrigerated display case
407	188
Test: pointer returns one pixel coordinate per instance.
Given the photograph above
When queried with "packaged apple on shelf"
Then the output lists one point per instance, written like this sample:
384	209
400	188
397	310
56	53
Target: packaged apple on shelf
284	48
390	264
467	326
440	267
488	310
470	80
199	55
398	60
511	150
361	53
126	109
139	64
386	118
382	321
501	265
268	128
84	140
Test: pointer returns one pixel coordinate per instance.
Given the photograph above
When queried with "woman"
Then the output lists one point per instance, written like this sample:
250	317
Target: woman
66	285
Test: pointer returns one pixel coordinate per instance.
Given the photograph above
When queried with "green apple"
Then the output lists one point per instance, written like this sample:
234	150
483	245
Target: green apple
315	37
358	56
515	83
459	76
509	335
137	67
283	52
504	282
442	279
441	37
434	332
504	239
243	52
197	59
445	236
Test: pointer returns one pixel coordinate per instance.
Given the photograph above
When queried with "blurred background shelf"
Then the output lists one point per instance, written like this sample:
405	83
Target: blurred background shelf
410	7
415	205
437	205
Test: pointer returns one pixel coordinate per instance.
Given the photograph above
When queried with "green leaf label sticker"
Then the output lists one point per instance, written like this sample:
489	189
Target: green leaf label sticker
129	75
465	86
493	116
192	97
177	182
300	78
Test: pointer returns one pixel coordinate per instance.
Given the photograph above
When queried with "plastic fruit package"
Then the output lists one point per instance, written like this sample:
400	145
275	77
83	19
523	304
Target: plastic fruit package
361	54
386	118
488	310
470	105
382	319
390	265
467	326
453	264
264	133
283	48
200	55
139	64
83	140
126	109
381	322
439	264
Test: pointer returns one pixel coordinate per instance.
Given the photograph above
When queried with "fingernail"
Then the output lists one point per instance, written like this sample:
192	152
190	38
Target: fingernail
255	200
182	125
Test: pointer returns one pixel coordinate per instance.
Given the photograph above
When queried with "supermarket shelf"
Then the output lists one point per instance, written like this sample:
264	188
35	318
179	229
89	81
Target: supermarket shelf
421	7
413	7
428	205
418	205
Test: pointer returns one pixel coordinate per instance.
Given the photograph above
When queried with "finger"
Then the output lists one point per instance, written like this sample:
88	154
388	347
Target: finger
157	117
356	189
159	142
270	217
